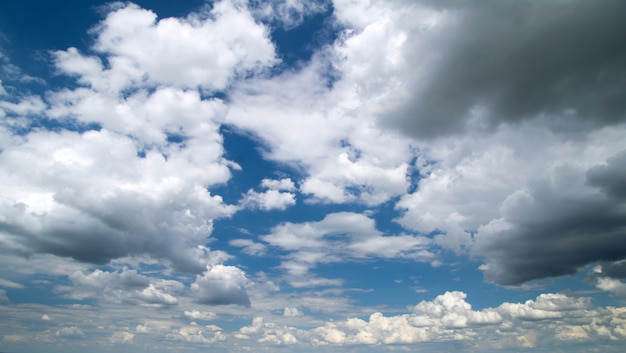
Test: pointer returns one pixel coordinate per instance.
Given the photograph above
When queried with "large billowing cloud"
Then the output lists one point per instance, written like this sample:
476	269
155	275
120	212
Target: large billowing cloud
516	114
463	66
134	183
221	285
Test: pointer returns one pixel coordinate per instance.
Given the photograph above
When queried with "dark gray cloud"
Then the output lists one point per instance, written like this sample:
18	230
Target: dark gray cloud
611	178
515	60
553	228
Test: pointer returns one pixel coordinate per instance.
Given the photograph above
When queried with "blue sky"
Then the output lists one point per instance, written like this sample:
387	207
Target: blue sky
297	176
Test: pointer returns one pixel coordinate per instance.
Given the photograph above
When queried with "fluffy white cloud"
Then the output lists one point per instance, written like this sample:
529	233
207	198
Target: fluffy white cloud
268	200
204	50
612	285
122	337
155	203
339	237
198	334
292	312
122	287
70	332
221	285
200	315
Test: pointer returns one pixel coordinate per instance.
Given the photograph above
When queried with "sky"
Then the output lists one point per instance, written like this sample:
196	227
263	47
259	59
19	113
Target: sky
304	176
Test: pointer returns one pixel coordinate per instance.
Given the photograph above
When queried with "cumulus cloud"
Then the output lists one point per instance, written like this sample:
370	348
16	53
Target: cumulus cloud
519	61
273	198
450	317
200	315
122	287
70	332
221	285
198	334
122	337
204	50
339	237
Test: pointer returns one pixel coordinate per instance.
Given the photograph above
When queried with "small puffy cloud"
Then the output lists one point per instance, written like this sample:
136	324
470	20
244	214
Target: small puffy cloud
4	300
200	315
612	285
221	285
284	184
198	334
46	317
122	337
268	200
277	197
292	312
268	333
70	332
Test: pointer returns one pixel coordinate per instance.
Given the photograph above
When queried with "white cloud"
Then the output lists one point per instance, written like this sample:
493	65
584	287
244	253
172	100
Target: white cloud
340	237
198	334
200	315
122	287
612	285
70	332
10	284
285	184
248	246
268	200
122	337
203	50
221	285
292	312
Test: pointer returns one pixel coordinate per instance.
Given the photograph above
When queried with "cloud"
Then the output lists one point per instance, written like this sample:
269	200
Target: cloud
340	237
292	312
85	189
205	50
552	227
221	285
248	246
612	285
4	300
344	156
522	60
273	198
122	287
450	317
287	14
122	337
70	332
10	284
200	315
198	334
